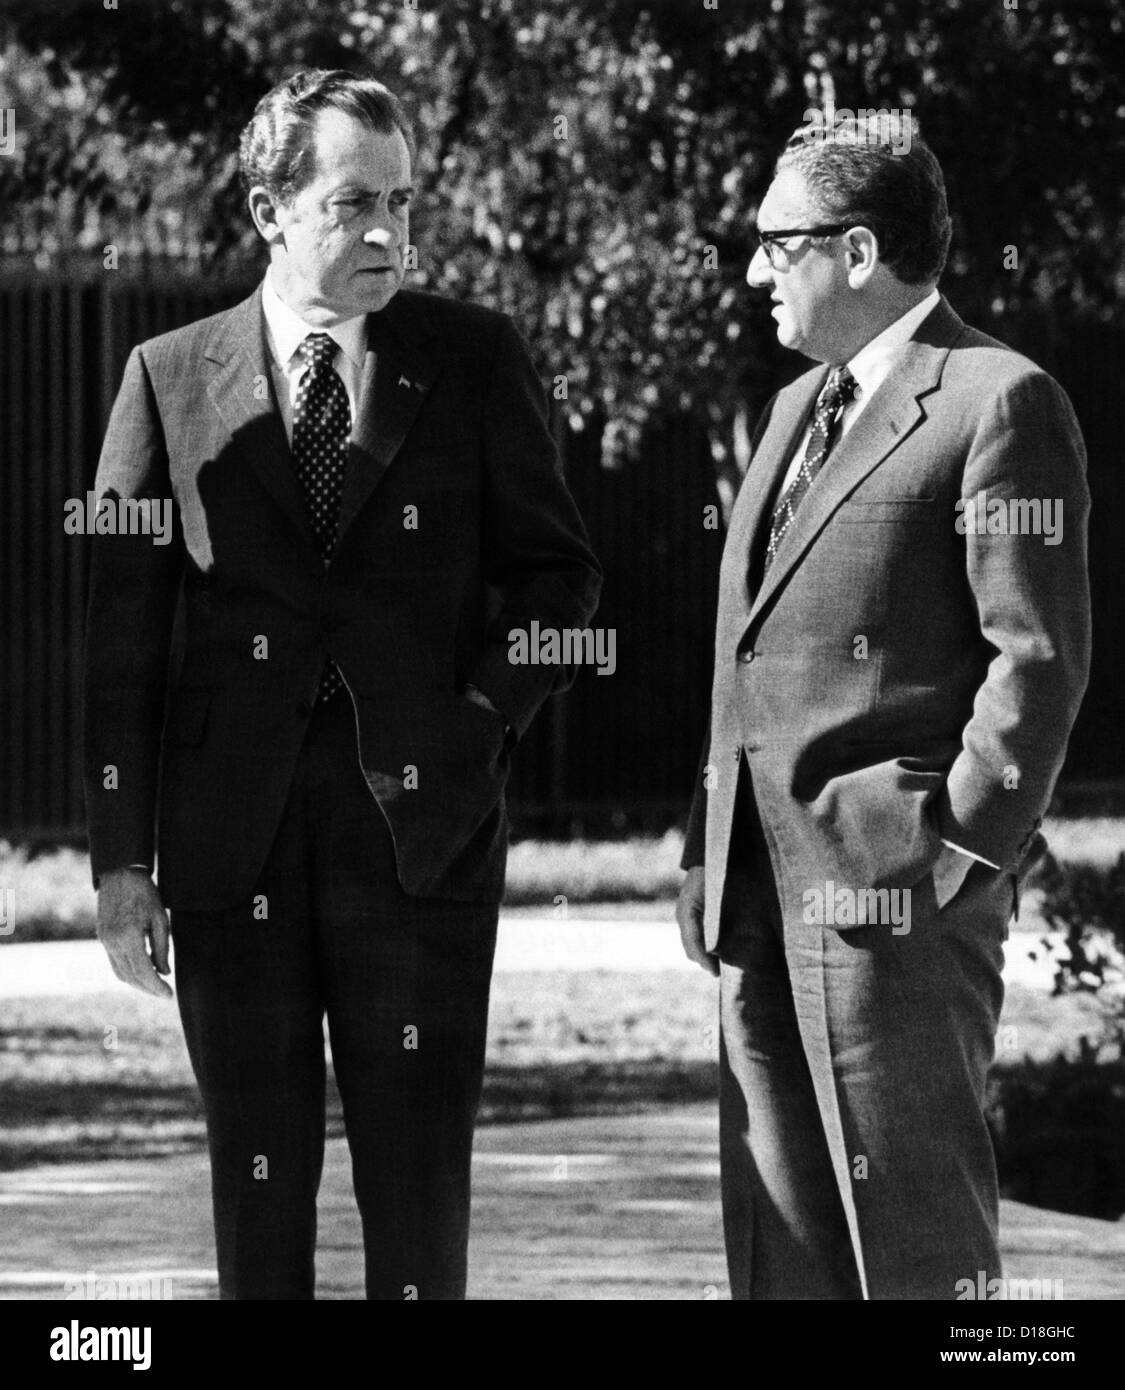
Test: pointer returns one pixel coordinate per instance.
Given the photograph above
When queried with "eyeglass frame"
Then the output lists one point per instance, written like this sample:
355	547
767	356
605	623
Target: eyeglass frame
768	241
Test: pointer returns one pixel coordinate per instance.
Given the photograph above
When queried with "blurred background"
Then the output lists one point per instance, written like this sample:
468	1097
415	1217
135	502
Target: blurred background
591	167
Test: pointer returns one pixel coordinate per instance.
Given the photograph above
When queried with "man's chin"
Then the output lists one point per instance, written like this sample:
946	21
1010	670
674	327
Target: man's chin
376	292
370	291
796	343
787	335
783	324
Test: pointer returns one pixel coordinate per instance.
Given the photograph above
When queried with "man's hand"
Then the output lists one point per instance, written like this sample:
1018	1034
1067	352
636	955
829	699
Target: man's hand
131	919
689	914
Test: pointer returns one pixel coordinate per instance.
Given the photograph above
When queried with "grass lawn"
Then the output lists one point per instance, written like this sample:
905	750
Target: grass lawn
637	877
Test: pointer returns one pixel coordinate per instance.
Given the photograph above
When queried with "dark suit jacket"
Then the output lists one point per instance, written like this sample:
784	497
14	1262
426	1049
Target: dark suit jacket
452	424
950	718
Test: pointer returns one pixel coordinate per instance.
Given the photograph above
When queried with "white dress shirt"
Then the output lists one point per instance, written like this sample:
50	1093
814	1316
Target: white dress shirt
286	331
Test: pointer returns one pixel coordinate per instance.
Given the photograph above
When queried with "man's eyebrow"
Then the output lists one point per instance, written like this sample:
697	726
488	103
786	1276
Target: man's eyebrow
782	224
366	191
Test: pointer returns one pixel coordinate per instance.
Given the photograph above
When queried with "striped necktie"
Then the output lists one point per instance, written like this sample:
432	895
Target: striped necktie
836	393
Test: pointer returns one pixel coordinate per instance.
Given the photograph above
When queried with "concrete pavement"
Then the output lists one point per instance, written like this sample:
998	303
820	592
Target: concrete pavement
619	1207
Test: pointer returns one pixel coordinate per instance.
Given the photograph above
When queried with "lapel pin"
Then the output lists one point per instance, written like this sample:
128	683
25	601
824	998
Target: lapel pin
405	381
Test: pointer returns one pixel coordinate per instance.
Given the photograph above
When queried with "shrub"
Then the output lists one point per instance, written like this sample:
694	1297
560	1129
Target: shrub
1086	901
1059	1132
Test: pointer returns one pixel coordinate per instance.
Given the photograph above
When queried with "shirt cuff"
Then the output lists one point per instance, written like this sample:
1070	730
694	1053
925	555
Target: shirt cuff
962	850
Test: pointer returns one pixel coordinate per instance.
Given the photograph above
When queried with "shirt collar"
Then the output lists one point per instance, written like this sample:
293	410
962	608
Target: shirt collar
873	361
287	330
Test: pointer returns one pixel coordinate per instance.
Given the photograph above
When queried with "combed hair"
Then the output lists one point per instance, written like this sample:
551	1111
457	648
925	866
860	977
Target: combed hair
863	175
276	146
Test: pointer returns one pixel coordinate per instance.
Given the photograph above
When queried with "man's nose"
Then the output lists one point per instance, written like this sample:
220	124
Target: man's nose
759	273
379	236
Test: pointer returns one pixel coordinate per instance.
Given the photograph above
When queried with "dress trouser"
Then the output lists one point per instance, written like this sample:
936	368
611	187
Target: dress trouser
404	983
856	1161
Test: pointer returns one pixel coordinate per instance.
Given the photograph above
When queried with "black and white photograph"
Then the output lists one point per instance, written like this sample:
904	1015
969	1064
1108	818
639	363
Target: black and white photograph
561	697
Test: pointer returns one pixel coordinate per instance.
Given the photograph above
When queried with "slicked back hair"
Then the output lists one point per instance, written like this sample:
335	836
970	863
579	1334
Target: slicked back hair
864	176
276	149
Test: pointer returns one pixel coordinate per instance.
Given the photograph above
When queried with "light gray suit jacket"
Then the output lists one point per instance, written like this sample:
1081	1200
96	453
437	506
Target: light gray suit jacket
894	682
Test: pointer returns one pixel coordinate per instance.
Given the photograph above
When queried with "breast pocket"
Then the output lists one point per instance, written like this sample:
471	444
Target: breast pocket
880	511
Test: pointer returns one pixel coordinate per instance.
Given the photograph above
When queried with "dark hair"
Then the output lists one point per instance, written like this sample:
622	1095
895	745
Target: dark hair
874	170
275	146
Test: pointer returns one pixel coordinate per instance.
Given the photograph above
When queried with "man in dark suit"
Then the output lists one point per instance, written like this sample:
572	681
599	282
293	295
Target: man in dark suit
367	501
894	689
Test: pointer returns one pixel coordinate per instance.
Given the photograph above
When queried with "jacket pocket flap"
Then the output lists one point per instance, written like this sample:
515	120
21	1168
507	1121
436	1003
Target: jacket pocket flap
878	509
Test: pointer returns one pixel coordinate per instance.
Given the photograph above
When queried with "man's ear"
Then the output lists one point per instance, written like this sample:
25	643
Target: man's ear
263	211
861	255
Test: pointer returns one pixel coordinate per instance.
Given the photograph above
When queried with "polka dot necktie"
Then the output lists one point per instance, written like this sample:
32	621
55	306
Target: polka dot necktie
837	392
321	425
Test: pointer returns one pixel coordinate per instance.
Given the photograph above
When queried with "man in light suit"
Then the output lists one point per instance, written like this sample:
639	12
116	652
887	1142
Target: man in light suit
894	687
367	501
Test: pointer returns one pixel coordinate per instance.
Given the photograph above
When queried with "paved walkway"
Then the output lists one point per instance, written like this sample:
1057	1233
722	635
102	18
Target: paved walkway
591	1208
624	1207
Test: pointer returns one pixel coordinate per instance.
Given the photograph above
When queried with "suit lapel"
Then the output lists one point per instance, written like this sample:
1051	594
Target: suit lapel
397	376
242	393
893	413
791	412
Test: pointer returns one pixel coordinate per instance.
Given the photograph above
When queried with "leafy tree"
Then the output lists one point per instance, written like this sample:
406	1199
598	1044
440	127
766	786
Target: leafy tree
593	167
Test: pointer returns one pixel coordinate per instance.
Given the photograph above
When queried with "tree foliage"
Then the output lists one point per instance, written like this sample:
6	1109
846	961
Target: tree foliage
593	166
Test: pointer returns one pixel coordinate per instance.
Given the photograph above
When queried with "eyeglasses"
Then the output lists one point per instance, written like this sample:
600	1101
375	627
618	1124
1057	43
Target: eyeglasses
778	255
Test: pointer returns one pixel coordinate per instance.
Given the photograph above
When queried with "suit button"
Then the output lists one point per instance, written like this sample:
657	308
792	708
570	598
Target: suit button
747	657
304	709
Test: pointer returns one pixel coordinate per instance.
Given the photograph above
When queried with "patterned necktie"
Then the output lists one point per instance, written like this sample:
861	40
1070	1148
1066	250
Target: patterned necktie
837	391
321	425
